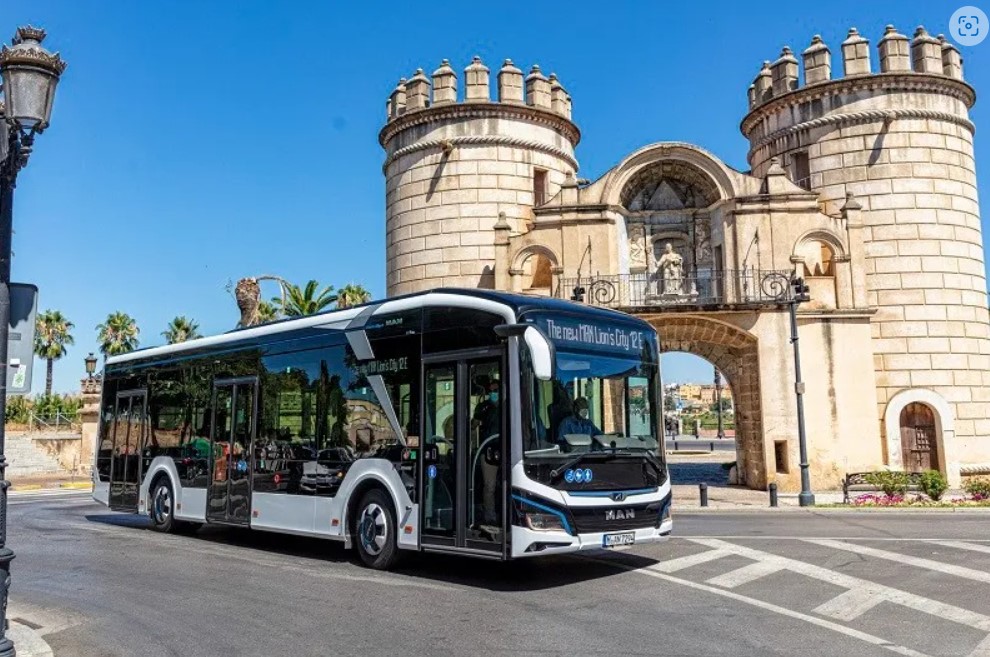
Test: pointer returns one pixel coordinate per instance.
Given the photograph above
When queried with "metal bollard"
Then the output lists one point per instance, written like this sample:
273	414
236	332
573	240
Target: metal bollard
711	447
703	490
773	494
676	448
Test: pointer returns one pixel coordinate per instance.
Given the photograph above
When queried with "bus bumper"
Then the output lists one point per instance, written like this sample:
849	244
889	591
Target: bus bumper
529	543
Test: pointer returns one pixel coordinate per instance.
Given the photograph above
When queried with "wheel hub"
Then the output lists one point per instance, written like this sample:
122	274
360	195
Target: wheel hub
373	529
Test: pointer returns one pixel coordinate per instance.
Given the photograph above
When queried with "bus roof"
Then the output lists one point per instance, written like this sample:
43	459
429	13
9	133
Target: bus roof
509	305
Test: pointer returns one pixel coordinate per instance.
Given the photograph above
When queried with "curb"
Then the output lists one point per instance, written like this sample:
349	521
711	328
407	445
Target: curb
27	641
67	485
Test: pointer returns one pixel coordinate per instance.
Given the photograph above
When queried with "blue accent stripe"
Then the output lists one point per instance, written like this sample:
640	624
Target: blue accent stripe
608	493
541	507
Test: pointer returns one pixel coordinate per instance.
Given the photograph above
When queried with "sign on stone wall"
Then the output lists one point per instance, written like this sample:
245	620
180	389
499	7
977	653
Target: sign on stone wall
20	341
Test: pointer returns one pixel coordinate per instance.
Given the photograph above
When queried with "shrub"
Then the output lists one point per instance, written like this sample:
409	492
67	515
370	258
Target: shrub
978	488
891	482
18	410
933	484
728	465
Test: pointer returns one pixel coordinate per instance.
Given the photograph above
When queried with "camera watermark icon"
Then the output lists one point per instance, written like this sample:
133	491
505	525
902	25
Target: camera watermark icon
969	26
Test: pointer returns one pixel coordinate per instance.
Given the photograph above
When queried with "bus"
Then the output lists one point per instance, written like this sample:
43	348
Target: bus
463	421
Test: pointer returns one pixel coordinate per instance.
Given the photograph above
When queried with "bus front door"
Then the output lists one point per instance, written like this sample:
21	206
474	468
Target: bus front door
462	489
129	428
235	407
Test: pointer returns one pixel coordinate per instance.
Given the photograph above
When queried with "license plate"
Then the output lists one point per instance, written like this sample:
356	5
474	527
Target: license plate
614	540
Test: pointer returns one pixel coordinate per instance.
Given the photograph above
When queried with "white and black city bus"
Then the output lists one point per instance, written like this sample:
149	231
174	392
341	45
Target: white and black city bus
466	421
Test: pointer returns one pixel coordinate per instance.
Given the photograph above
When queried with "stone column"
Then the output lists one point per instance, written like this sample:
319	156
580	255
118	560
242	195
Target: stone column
89	417
502	274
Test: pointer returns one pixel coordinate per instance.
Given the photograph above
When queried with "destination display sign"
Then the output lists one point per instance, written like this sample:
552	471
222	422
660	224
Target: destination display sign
583	335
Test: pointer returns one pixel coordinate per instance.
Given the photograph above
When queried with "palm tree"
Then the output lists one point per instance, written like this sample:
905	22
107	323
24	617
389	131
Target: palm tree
309	300
267	312
352	294
51	337
118	334
181	329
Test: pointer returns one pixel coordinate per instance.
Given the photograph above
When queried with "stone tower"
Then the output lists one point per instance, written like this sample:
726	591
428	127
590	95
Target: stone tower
454	164
895	135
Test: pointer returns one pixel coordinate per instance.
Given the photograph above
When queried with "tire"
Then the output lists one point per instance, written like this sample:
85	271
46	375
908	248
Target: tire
161	507
376	530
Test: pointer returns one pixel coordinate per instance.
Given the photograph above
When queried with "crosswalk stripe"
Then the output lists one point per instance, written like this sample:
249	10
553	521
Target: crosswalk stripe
982	649
768	606
889	594
680	563
746	574
918	562
961	545
850	605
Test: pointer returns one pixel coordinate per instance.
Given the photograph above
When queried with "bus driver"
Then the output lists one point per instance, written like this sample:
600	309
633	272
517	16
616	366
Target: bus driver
577	422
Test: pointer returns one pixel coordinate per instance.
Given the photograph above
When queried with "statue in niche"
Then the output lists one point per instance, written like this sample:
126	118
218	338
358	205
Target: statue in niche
637	254
671	270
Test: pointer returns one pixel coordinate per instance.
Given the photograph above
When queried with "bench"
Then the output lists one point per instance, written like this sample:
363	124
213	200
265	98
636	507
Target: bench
856	481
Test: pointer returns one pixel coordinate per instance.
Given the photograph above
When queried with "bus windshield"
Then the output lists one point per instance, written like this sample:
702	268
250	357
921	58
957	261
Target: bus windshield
593	403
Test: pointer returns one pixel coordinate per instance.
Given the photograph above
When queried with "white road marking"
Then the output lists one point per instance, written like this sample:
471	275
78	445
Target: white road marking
850	605
680	563
918	562
820	622
745	575
960	545
743	537
982	649
889	594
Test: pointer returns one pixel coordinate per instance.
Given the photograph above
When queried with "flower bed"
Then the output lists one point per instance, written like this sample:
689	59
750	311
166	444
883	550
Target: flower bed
881	500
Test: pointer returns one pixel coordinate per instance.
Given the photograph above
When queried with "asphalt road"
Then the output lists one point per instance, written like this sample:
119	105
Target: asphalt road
785	583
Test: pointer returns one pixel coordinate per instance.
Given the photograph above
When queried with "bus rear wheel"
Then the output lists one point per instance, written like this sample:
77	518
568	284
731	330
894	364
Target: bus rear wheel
162	507
376	530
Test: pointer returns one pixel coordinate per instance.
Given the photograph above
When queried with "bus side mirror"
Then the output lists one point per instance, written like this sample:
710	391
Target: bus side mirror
541	352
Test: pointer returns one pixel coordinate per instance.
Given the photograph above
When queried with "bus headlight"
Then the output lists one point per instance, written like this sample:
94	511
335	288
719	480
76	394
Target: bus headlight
664	511
544	522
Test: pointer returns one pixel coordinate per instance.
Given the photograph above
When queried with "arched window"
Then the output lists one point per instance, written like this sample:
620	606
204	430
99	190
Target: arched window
535	272
818	257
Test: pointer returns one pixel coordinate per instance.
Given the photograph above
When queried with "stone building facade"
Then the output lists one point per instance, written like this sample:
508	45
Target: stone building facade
862	182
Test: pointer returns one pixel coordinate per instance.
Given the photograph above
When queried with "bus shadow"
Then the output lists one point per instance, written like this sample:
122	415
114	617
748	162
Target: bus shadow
531	574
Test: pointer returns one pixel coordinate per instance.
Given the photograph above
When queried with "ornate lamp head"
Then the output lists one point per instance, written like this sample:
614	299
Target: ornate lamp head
30	74
90	364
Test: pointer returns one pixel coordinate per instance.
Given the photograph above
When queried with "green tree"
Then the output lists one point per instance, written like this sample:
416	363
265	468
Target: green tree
181	329
302	301
51	337
352	294
267	312
118	334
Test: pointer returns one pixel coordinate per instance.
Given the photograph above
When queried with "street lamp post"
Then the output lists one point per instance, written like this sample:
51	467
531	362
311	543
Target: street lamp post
30	74
90	365
799	294
718	400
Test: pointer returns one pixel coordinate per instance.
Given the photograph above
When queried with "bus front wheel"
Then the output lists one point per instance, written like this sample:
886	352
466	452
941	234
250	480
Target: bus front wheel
376	530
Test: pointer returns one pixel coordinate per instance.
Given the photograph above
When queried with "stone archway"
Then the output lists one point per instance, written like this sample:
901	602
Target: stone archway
735	353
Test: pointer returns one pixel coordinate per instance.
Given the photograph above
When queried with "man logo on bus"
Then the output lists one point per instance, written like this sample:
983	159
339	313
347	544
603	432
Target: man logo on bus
620	514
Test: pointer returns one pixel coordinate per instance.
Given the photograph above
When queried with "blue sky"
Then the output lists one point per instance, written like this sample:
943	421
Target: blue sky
193	142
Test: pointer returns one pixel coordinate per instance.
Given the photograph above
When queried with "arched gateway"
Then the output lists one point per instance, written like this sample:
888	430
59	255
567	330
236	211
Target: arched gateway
736	355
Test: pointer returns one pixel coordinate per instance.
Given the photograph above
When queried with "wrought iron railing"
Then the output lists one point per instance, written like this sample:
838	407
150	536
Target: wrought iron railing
734	287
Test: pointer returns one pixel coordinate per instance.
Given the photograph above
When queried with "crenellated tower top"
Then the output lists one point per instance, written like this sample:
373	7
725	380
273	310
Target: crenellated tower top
418	98
921	55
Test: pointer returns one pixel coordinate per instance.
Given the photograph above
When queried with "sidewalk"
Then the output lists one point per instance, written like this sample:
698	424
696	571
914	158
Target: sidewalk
70	482
27	641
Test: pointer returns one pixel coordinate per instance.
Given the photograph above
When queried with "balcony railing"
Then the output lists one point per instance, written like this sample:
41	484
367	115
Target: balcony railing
744	287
